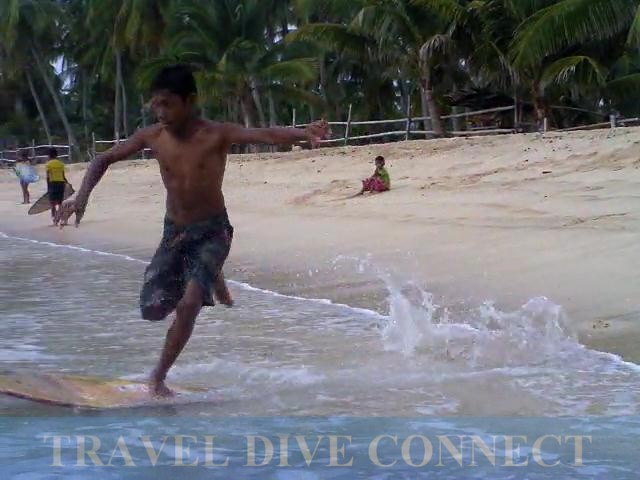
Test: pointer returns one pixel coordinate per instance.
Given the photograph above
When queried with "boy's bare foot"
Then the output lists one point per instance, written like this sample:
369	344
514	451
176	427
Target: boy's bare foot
159	389
221	292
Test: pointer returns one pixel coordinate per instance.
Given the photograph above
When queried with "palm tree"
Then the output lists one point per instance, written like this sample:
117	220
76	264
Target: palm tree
258	59
353	70
30	26
135	32
12	66
401	30
228	42
570	42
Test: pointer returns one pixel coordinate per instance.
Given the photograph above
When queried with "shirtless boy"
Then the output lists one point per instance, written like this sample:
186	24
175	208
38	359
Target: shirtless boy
186	270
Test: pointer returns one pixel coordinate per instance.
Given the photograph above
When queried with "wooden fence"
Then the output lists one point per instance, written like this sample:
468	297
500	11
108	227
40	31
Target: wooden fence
410	126
400	128
409	129
37	153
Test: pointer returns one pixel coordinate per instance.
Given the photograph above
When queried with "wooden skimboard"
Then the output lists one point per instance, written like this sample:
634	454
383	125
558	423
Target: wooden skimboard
86	392
44	205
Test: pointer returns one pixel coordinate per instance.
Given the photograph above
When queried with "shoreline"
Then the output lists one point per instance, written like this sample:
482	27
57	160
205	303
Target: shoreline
468	219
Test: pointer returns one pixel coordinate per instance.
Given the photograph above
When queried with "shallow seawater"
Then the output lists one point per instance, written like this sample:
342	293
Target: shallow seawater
308	363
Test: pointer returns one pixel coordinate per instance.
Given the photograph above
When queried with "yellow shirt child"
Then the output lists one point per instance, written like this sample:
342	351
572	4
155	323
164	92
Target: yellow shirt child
55	171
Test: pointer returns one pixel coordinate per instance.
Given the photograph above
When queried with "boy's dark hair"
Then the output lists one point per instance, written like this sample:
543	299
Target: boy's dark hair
379	158
177	79
52	152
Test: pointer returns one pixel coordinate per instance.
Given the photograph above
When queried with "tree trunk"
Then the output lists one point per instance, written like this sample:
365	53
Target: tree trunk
247	109
255	94
18	105
237	109
123	90
273	116
119	107
427	94
56	100
323	77
36	99
456	122
228	115
539	105
247	115
404	95
425	112
116	103
85	110
143	112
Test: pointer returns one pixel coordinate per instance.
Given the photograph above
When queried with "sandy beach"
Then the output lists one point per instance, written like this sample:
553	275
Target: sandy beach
500	218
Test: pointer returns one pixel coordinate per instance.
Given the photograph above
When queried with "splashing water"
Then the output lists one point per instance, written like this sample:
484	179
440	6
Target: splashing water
527	360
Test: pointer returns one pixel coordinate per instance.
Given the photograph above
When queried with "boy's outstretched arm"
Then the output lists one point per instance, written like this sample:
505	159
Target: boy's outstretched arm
313	133
94	173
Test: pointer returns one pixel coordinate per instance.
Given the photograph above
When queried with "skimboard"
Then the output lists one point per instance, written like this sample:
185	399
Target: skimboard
44	205
87	392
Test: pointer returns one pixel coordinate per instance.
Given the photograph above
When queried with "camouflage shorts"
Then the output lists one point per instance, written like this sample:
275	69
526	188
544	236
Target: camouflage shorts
193	252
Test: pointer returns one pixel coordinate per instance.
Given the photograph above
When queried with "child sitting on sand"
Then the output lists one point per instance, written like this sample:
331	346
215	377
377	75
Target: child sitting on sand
379	181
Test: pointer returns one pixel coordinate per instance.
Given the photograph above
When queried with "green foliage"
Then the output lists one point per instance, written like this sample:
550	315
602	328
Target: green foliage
257	60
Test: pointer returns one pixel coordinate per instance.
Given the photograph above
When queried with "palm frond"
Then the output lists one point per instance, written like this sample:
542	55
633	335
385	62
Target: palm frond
390	23
633	38
302	70
525	8
290	93
438	44
449	10
334	36
625	87
566	23
580	69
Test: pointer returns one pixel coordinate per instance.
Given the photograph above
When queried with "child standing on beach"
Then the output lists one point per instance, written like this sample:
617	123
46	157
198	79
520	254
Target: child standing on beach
186	270
26	174
379	181
56	182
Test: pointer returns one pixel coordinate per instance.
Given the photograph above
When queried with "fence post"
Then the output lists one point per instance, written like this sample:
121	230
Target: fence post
93	144
348	127
33	149
515	112
293	118
545	125
408	126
